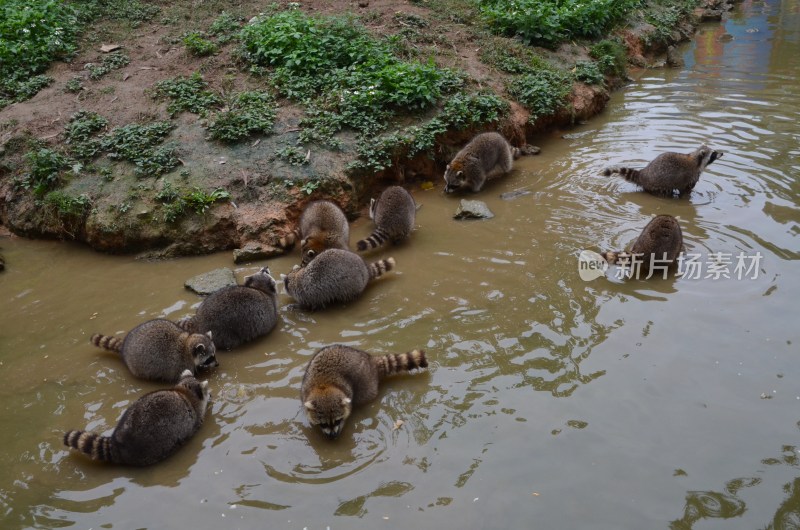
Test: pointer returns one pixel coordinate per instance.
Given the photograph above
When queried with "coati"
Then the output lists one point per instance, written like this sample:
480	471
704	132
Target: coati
335	275
159	350
152	428
486	156
323	225
239	313
669	171
339	377
394	214
659	244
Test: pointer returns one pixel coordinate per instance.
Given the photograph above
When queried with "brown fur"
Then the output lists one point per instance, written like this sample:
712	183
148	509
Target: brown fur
394	214
151	429
323	225
335	276
159	350
669	171
487	156
659	244
339	377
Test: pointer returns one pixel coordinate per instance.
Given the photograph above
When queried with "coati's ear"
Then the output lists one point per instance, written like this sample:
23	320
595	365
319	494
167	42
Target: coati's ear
460	174
209	334
200	348
309	405
186	373
311	253
346	401
448	166
264	270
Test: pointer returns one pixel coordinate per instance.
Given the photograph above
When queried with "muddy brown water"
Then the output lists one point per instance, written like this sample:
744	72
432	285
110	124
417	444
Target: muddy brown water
551	402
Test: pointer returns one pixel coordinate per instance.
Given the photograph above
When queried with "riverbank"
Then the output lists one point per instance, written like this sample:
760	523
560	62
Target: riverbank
138	144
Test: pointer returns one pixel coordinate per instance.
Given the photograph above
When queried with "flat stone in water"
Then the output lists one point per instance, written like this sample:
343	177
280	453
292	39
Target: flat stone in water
468	209
255	251
209	282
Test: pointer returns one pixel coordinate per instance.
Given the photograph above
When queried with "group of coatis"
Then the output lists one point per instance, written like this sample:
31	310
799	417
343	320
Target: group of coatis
337	377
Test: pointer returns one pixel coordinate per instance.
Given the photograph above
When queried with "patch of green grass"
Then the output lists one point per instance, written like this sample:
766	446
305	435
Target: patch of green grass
112	61
293	155
141	144
550	22
611	57
588	72
198	45
249	113
543	92
665	16
177	203
44	173
225	27
81	132
187	94
68	205
74	85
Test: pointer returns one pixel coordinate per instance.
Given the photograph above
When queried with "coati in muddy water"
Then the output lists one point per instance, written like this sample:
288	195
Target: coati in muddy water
323	225
394	214
659	244
335	275
237	314
487	156
339	377
669	171
152	428
159	350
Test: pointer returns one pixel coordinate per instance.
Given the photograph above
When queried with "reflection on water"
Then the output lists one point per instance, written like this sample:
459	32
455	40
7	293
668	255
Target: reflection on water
548	398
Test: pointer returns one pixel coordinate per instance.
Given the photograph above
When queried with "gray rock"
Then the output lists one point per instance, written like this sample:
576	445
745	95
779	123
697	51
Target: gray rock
255	251
209	282
473	210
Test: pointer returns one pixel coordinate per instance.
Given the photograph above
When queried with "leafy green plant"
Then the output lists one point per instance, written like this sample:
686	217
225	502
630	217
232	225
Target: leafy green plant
611	57
198	45
200	201
588	72
187	94
542	93
67	204
176	203
309	186
248	113
45	166
140	144
549	22
291	154
81	134
112	61
225	27
74	85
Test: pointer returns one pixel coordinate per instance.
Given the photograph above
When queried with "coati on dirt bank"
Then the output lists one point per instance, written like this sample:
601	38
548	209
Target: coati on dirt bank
339	377
152	428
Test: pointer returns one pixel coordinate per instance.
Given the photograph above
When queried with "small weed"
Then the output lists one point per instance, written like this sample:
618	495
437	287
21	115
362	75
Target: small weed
200	201
176	203
249	113
81	130
291	154
198	45
45	166
112	61
74	85
309	186
187	94
68	205
225	28
140	144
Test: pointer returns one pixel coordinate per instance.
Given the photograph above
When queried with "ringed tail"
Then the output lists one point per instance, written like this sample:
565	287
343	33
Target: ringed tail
107	342
395	363
629	174
380	267
186	323
97	447
376	239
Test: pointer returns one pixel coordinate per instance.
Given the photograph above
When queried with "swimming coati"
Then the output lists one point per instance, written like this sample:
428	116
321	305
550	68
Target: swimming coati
335	275
159	350
487	156
152	428
238	313
339	377
323	225
669	171
659	245
394	213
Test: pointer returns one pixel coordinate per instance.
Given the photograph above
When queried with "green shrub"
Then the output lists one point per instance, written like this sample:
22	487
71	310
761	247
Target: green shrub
112	61
45	170
68	205
140	144
198	45
611	57
225	27
542	93
249	113
187	94
549	22
81	134
176	203
588	72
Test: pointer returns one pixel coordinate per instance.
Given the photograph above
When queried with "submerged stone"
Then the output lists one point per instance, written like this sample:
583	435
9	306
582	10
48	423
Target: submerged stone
468	209
255	251
209	282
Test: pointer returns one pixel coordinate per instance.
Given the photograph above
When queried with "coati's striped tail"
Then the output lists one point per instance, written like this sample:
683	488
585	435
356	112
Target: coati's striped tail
376	239
629	174
380	267
395	363
187	323
90	443
107	342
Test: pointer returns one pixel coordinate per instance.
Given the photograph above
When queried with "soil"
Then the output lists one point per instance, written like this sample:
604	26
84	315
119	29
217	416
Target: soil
266	193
